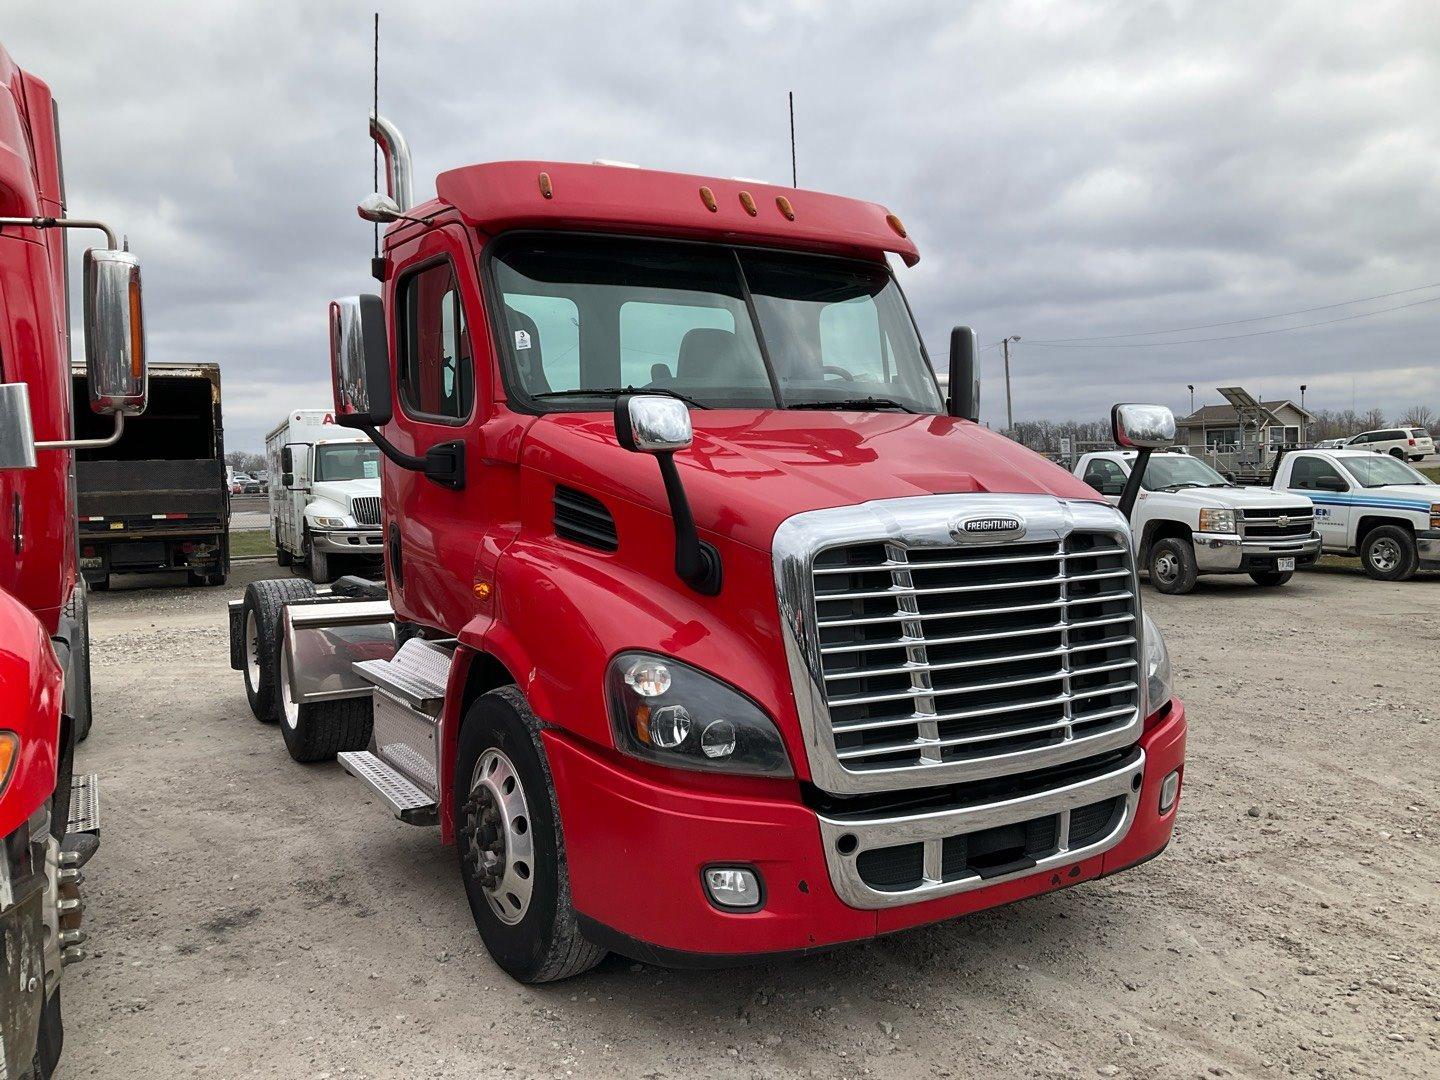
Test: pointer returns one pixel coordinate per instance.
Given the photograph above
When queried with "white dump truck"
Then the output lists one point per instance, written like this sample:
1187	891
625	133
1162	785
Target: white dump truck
1189	520
1371	505
326	504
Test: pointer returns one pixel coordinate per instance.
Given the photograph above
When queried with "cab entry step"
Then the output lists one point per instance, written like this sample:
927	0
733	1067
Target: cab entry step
84	804
406	801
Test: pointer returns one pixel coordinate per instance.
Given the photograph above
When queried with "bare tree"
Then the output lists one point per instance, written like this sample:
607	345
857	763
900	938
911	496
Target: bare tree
1419	416
244	461
1372	419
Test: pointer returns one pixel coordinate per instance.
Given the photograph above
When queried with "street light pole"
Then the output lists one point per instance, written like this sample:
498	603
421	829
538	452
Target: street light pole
1191	388
1009	411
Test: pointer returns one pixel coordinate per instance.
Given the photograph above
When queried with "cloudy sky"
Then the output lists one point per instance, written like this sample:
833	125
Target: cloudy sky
1069	169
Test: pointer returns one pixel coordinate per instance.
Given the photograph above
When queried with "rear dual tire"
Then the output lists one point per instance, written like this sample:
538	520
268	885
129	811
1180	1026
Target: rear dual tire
1388	553
260	618
319	730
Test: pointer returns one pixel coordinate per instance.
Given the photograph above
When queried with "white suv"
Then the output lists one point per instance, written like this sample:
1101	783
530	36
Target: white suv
1404	443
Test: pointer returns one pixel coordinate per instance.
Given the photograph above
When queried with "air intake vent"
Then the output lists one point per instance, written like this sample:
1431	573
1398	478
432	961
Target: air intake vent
584	519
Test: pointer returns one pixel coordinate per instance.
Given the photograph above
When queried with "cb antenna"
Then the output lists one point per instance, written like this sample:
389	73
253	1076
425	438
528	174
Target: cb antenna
794	182
376	266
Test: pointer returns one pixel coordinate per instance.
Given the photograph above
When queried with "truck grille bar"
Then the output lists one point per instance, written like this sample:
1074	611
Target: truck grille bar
1289	524
922	655
366	509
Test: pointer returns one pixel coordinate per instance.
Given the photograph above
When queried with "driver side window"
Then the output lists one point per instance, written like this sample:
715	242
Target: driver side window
1104	475
1306	473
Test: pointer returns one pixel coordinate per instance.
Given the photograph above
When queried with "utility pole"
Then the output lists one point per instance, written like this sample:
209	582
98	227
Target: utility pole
1191	388
1009	410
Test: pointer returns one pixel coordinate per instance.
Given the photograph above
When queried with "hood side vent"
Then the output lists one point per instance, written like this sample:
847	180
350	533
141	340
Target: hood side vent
583	519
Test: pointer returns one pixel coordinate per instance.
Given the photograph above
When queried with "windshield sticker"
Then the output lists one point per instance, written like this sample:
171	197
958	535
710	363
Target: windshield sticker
522	339
372	470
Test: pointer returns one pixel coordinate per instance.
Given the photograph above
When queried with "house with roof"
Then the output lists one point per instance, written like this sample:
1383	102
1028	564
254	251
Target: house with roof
1277	423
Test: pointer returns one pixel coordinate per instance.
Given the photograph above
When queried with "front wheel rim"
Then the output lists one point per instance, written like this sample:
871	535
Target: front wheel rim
499	840
1385	555
1167	568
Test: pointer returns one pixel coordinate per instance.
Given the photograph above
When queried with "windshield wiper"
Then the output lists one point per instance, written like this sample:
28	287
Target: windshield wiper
616	391
853	403
1223	483
1181	484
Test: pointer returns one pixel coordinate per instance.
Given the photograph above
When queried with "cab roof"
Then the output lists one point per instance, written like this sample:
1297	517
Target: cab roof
504	195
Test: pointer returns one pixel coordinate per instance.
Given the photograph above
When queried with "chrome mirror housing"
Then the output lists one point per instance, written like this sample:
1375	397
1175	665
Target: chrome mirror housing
653	424
379	208
114	333
17	434
1140	427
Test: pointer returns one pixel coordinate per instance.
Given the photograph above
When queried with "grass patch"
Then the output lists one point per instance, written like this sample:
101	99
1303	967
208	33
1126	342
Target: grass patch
251	542
1432	471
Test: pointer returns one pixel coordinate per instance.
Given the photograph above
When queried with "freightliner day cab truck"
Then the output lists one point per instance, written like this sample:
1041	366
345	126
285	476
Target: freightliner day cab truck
48	817
708	631
1189	520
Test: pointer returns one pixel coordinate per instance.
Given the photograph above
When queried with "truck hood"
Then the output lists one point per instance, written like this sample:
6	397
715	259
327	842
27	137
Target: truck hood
341	492
1234	498
750	470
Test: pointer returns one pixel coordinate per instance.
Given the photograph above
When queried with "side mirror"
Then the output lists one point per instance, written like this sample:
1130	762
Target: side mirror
114	333
360	362
17	433
1142	427
1330	483
287	462
964	382
653	424
379	208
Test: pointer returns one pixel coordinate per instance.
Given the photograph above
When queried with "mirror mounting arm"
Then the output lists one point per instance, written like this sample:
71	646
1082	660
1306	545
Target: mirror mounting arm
697	563
443	463
1126	505
86	444
63	223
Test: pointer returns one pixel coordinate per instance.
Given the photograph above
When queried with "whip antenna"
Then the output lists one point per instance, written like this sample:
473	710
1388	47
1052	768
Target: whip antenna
375	112
794	182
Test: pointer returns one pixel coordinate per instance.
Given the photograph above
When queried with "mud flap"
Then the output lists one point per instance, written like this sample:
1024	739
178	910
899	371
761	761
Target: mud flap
23	974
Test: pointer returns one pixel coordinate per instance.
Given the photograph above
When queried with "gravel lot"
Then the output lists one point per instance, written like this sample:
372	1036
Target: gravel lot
252	917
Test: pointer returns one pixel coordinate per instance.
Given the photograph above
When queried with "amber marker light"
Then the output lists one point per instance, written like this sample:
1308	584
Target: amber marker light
137	328
785	208
546	189
708	198
9	751
482	590
896	224
748	202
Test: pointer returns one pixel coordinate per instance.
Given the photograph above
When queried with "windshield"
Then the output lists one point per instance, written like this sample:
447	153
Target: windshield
347	461
587	317
1172	470
1381	470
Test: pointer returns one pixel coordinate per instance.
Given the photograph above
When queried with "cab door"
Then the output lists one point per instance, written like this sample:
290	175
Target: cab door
1330	490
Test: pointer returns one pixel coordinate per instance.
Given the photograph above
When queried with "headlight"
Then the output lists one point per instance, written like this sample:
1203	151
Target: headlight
1214	519
328	522
1159	683
670	713
1435	515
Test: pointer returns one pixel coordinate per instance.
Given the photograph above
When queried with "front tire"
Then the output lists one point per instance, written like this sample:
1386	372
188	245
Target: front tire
1172	565
1389	554
317	731
511	846
260	618
319	563
1271	578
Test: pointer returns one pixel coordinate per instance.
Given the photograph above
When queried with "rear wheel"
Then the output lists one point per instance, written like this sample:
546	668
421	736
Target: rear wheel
1172	565
1389	553
264	601
1271	577
101	584
510	844
1396	452
319	563
318	731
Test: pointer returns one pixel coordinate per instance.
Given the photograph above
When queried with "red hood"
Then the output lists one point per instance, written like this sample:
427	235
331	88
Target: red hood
749	470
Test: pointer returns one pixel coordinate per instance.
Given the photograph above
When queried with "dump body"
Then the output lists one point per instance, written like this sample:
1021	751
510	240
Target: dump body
157	500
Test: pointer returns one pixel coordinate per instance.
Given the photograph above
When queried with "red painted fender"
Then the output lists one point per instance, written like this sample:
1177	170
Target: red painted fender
31	692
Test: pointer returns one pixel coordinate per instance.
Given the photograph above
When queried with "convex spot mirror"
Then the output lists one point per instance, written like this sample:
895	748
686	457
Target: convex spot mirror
651	424
1142	427
360	361
379	208
114	333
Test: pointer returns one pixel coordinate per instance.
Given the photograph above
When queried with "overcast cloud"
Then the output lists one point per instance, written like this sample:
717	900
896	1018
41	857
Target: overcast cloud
1068	169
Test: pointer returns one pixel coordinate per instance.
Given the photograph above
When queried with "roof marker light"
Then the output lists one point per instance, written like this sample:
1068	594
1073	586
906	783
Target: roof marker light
615	164
896	224
546	189
748	202
708	198
785	208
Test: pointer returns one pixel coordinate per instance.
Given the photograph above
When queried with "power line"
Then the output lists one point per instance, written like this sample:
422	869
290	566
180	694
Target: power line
1233	337
1240	322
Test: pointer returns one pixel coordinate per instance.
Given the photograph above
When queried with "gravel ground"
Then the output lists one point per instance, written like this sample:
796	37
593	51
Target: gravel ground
252	917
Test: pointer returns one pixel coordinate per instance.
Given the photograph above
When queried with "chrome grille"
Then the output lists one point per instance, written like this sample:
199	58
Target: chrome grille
366	509
1259	524
928	657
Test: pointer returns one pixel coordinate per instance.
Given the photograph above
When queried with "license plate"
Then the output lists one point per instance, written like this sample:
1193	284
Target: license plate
117	524
1284	565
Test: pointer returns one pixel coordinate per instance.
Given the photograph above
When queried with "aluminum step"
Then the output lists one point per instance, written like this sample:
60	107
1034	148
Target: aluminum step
84	804
406	801
416	674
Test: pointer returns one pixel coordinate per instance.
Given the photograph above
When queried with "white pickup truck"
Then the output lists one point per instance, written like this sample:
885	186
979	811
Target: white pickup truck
1189	520
1371	505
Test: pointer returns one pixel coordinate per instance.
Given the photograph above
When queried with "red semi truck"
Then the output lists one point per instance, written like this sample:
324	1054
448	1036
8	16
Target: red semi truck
49	824
710	629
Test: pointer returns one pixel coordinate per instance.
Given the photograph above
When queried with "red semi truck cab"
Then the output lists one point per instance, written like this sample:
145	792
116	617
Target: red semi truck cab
48	817
711	630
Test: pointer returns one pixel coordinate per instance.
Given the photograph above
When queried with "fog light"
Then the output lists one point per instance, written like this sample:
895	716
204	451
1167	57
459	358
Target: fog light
733	886
1169	789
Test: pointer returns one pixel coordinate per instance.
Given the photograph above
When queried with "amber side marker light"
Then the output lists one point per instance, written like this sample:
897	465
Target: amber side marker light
785	208
137	329
9	751
708	198
546	189
896	224
482	590
748	202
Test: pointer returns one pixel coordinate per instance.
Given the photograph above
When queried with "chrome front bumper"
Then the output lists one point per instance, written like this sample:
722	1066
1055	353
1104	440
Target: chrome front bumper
1428	544
348	541
1221	553
846	839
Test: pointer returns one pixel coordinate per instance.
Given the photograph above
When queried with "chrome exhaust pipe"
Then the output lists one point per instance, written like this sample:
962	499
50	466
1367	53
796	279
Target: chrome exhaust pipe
397	160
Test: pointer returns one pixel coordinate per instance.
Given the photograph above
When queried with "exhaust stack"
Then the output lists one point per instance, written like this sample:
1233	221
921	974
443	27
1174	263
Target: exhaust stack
397	160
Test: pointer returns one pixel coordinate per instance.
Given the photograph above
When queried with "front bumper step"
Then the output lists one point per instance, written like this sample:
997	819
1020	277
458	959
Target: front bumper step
406	801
